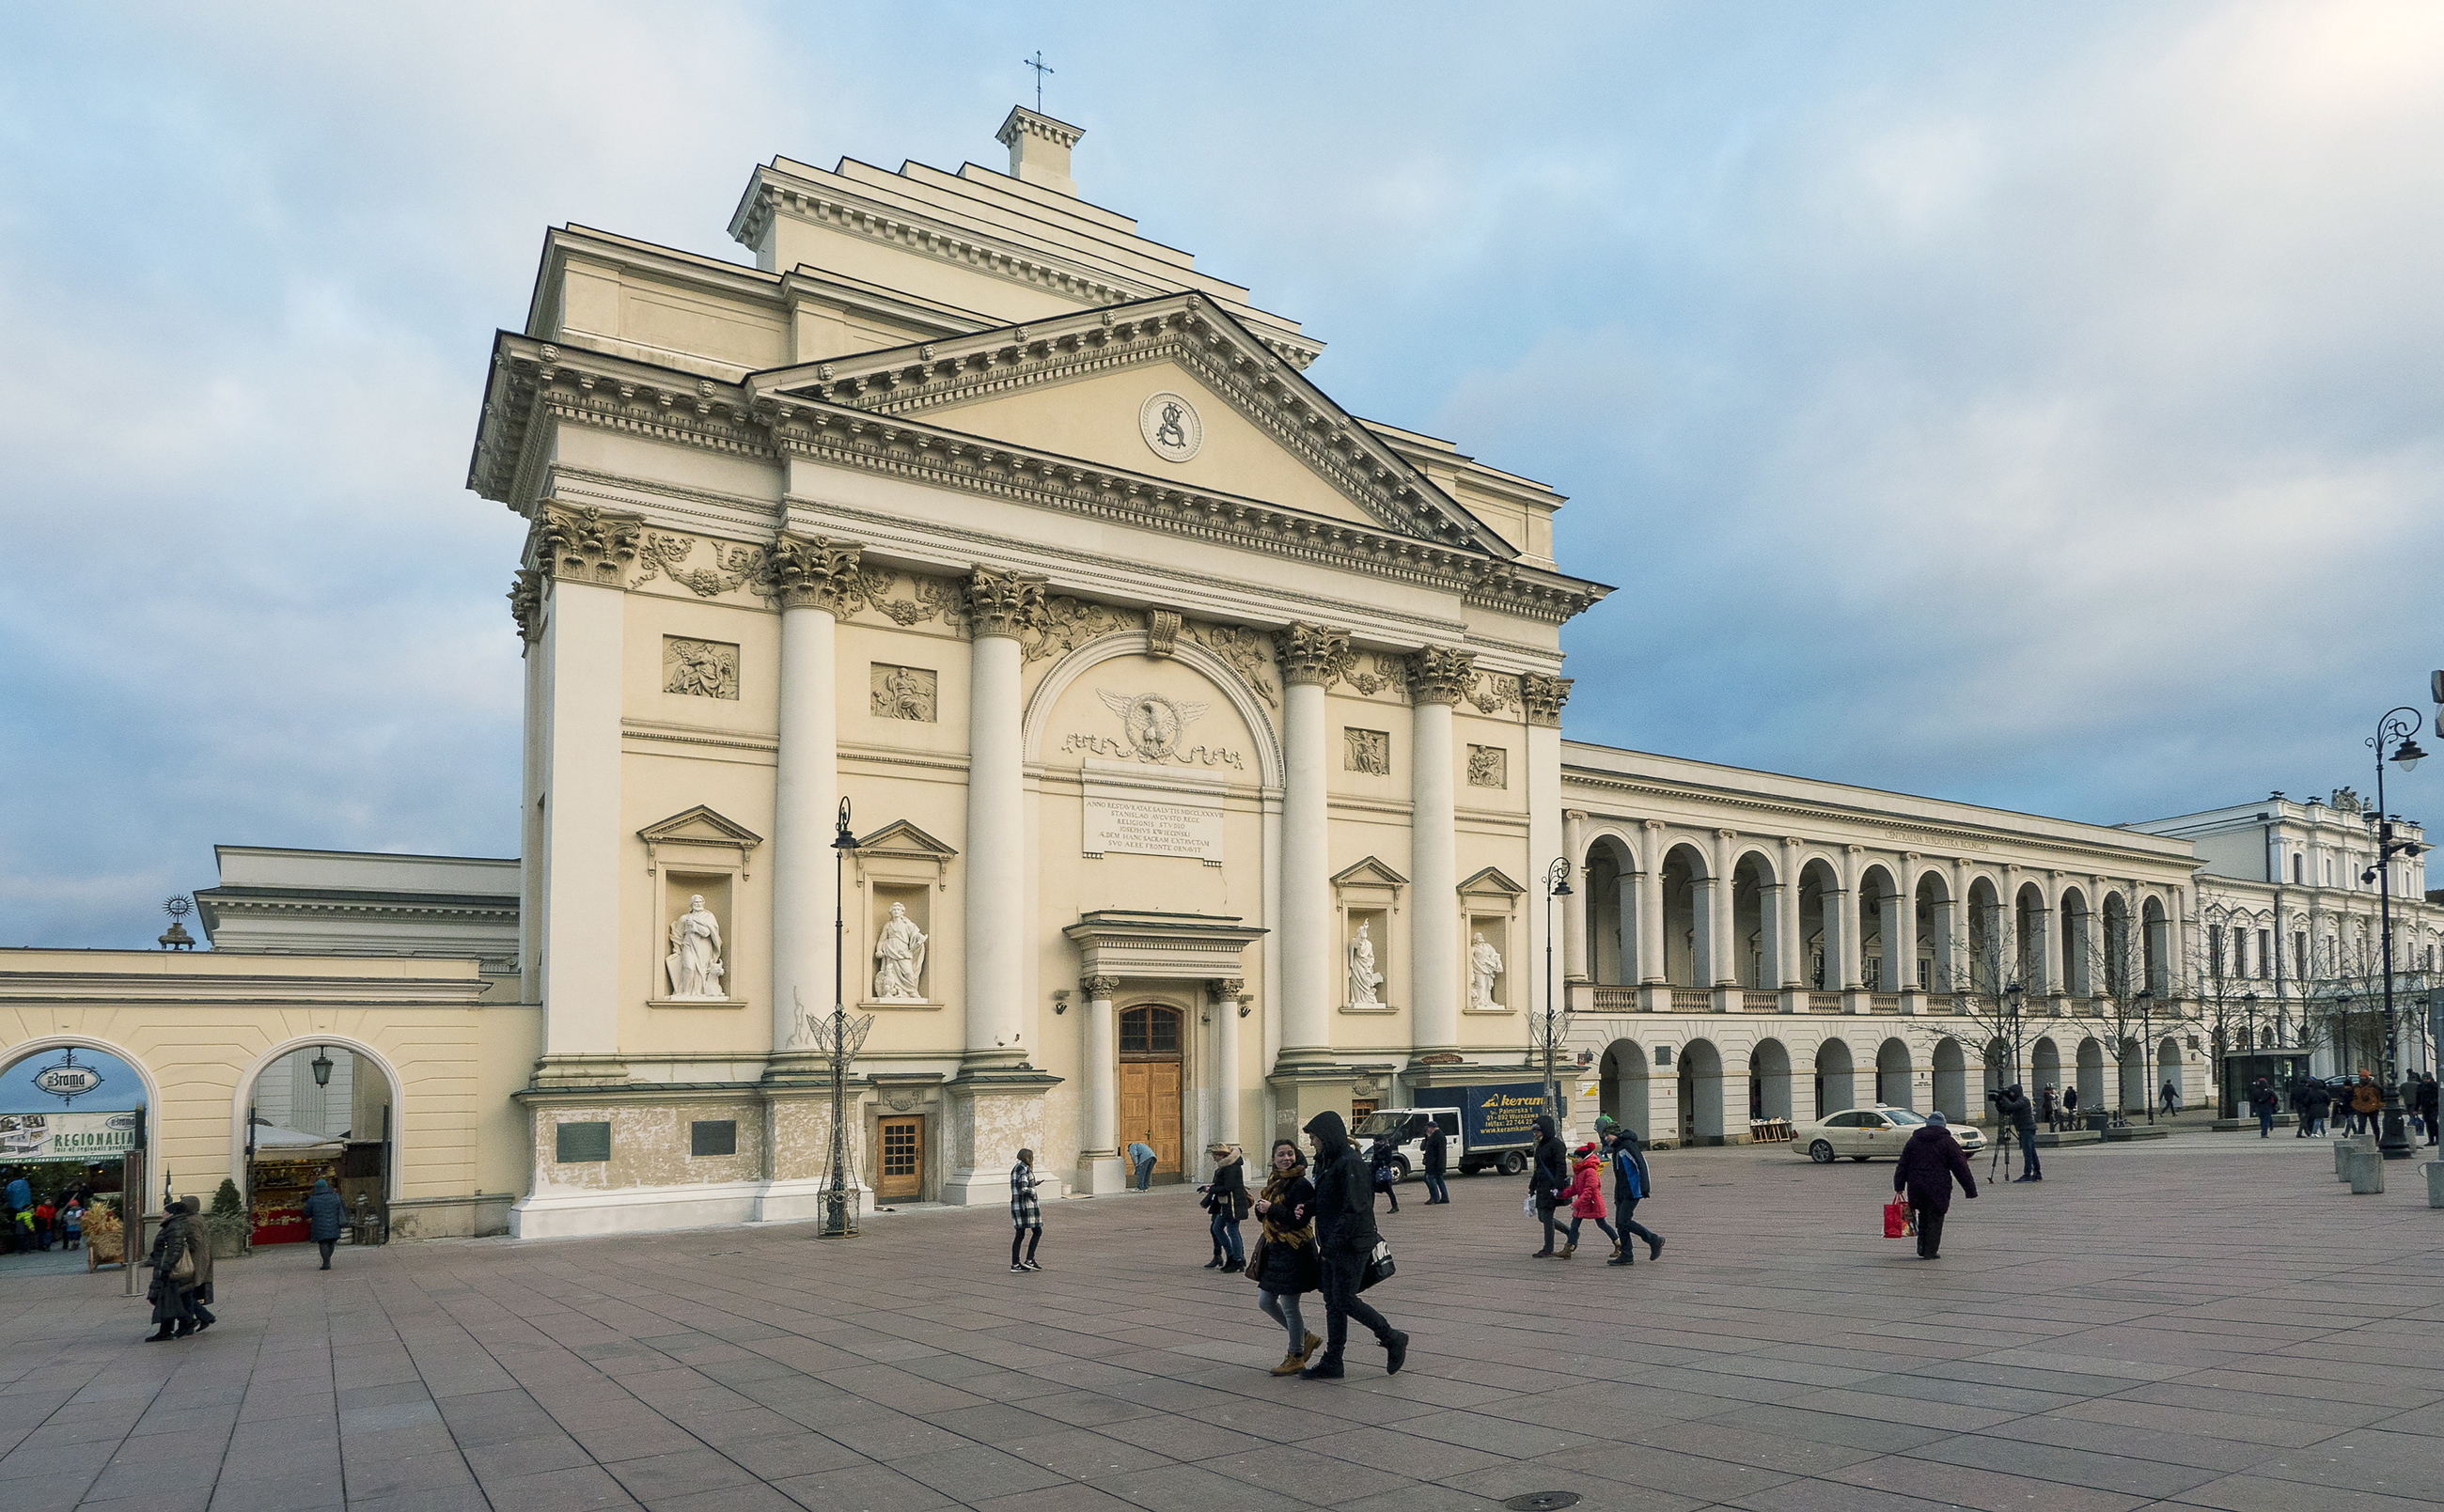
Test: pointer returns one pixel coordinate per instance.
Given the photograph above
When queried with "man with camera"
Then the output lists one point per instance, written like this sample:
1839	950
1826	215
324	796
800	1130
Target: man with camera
2013	1106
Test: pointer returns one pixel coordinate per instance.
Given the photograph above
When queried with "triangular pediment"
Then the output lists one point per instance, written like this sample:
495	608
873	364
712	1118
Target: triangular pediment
899	837
1092	386
1369	873
1490	883
700	826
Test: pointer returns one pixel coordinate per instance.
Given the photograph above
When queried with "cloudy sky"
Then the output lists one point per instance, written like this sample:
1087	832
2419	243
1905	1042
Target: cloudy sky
2029	405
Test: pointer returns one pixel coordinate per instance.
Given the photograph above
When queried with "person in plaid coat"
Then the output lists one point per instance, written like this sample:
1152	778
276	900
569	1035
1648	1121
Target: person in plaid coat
1026	1214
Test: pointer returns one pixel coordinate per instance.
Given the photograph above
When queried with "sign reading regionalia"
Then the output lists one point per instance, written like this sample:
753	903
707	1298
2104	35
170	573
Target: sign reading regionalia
66	1136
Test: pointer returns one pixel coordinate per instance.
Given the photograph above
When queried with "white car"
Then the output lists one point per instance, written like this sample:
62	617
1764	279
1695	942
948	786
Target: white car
1864	1134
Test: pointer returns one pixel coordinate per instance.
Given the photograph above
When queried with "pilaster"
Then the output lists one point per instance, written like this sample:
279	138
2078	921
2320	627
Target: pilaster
809	573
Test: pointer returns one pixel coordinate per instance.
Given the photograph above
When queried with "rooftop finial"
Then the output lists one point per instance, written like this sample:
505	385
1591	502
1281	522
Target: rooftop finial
1041	69
1039	149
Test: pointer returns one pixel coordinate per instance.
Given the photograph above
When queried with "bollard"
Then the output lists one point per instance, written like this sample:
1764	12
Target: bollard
2367	1172
2345	1148
2434	1170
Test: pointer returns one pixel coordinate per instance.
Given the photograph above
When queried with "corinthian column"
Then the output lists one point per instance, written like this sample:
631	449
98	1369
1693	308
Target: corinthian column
1099	1168
1438	678
810	573
585	555
1311	657
1001	607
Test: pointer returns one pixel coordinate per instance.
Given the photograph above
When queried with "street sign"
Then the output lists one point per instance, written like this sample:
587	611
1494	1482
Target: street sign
67	1081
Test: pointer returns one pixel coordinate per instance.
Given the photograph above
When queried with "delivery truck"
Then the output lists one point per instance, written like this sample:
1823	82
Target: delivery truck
1493	1125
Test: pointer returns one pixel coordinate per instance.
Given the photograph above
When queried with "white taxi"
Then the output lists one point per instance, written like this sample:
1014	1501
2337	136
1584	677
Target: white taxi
1865	1133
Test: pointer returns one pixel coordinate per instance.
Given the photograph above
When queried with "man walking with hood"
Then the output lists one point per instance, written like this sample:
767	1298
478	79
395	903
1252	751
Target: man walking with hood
1632	1183
1546	1180
2011	1106
1929	1163
1345	1237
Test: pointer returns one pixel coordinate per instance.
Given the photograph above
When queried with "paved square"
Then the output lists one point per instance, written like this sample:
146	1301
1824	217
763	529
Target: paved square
2210	1321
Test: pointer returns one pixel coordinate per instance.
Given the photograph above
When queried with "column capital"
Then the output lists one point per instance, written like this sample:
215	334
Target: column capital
1543	695
1097	988
809	572
525	603
585	544
1225	989
1311	653
1440	674
1004	604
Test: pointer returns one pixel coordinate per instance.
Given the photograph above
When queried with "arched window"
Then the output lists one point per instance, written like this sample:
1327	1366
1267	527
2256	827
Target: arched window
1150	1031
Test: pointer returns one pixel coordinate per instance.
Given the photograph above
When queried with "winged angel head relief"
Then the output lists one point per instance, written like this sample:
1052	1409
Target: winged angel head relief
1154	724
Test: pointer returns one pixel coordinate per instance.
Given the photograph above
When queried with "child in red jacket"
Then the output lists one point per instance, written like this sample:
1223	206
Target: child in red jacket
1585	1197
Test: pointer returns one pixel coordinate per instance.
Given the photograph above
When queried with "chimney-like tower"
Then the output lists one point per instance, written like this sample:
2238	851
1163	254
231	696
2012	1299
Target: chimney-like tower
1039	149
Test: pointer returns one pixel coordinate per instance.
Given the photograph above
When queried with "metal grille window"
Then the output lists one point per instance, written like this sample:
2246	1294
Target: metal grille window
579	1142
713	1137
899	1149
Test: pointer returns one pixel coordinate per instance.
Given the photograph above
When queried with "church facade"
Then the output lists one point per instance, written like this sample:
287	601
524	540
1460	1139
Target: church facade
969	615
1195	741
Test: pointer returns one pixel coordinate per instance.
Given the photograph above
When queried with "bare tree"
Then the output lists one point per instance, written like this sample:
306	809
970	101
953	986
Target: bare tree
1971	977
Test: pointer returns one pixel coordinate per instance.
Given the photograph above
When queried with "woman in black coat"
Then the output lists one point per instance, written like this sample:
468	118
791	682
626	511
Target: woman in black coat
325	1215
1285	1267
1548	1178
1929	1163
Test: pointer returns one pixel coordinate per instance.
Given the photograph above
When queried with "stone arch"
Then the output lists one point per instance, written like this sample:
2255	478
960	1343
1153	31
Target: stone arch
1869	903
2168	1068
1686	877
2030	929
1622	1075
1611	922
1769	1081
2091	1074
2155	945
1984	929
1996	1068
1892	1075
1938	930
1224	679
2116	946
242	1099
1701	1093
1951	1092
2132	1067
1817	950
43	1044
1753	924
1836	1085
2076	926
2044	1065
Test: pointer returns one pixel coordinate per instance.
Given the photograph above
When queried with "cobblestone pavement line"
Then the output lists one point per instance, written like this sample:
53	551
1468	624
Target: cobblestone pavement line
2211	1320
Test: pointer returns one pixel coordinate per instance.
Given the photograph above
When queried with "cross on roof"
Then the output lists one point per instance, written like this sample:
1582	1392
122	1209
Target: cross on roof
1041	69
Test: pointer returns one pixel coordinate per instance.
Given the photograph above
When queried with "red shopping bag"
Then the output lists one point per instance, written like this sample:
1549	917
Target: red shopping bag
1896	1219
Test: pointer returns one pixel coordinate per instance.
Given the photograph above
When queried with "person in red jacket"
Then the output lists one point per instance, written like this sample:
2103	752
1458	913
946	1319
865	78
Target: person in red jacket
1585	1197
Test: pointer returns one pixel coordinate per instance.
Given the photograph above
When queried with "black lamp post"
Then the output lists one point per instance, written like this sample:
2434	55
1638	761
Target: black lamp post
2146	1001
2013	1000
841	1041
2397	729
1557	885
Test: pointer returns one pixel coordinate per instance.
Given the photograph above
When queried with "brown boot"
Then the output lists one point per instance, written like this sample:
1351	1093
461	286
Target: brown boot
1308	1350
1290	1365
1567	1250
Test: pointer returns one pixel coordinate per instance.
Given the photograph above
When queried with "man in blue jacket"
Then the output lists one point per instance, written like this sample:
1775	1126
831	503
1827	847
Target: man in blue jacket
1631	1183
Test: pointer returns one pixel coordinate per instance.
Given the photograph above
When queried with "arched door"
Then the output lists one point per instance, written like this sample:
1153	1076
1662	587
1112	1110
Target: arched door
1150	1083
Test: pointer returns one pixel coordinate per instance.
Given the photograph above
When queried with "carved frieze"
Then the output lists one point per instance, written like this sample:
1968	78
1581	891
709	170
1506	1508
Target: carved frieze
670	556
1004	603
904	692
699	669
587	545
1543	695
1488	766
1439	674
1249	652
1494	692
1069	624
1311	653
1366	750
1377	674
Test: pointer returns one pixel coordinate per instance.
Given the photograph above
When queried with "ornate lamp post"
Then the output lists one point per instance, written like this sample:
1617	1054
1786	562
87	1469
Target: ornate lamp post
2146	1001
1557	885
838	1039
2396	730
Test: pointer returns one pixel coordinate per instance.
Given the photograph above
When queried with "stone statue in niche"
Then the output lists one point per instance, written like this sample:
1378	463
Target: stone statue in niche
899	958
694	964
1363	978
1484	965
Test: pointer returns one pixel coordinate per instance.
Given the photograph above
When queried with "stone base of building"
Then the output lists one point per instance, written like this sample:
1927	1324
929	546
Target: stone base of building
995	1112
475	1217
653	1209
1100	1175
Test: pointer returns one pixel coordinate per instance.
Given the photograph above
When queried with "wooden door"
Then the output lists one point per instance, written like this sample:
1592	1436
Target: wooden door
901	1173
1150	1110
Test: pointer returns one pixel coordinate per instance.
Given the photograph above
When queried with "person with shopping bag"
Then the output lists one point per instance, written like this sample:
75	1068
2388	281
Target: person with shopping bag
1929	1163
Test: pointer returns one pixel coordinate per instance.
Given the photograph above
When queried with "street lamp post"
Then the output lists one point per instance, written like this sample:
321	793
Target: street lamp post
1557	885
840	1040
2399	728
2146	1001
2012	1002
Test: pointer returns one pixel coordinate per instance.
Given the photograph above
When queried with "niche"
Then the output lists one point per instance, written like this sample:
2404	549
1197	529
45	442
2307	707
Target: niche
899	960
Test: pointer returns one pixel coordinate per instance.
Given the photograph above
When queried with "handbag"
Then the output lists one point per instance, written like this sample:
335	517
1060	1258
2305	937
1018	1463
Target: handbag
183	1273
1378	1266
1254	1269
1896	1219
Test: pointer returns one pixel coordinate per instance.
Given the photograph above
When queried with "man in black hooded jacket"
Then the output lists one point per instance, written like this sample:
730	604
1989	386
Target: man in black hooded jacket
2011	1106
1345	1237
1548	1178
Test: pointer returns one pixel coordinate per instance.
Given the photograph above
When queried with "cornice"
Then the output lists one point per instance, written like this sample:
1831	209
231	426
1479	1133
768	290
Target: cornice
1189	330
532	379
773	192
1968	842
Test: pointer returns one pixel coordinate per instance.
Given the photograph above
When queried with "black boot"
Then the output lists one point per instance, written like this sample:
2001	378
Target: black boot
162	1336
1215	1263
